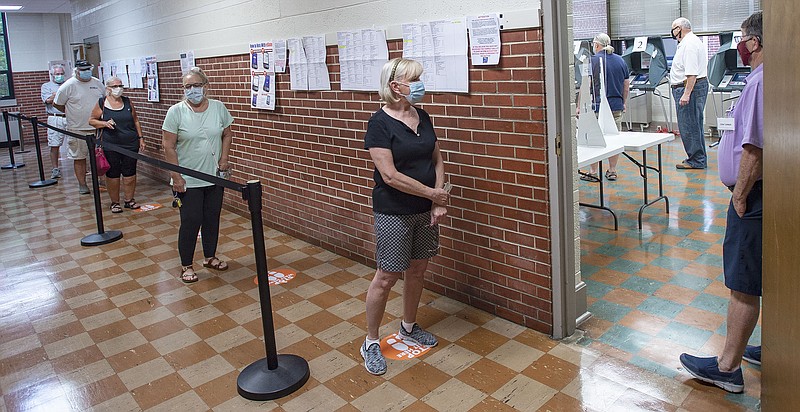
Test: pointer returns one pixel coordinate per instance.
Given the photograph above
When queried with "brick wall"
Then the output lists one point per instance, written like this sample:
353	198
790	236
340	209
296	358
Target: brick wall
27	89
317	177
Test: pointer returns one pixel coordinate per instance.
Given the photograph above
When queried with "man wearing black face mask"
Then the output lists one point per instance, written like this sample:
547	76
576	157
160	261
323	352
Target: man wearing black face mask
690	90
740	168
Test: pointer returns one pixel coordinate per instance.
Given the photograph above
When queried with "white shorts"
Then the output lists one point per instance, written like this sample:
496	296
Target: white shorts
78	150
54	138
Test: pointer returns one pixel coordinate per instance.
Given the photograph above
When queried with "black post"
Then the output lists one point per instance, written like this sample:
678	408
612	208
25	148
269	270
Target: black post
276	375
12	165
22	148
41	182
101	237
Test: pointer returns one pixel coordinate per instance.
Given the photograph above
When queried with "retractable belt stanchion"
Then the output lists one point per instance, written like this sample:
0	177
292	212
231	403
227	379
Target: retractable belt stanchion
42	182
13	164
276	375
101	237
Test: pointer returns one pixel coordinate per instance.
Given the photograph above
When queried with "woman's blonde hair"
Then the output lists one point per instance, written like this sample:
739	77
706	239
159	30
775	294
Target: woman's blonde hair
397	68
604	41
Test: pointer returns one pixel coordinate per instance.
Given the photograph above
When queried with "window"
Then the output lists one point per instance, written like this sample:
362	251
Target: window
727	15
6	82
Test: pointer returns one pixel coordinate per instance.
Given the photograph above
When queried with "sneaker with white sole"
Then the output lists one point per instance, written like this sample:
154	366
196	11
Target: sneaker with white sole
752	354
374	361
83	189
56	173
419	335
707	370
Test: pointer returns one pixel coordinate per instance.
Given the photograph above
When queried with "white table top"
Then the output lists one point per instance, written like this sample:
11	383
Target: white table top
589	155
638	141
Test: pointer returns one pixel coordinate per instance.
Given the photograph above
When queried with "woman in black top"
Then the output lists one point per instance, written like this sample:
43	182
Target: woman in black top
115	115
408	202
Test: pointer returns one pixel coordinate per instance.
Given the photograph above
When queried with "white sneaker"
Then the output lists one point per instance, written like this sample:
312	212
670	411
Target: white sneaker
56	174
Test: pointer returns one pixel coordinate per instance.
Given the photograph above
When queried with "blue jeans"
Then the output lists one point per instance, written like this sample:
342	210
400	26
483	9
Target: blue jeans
690	122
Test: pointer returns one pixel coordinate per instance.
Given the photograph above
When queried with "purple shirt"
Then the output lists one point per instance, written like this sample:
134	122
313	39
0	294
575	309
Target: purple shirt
748	115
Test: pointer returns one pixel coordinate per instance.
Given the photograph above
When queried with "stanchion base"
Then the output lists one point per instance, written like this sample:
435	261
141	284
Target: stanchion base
22	151
43	183
97	239
13	166
257	383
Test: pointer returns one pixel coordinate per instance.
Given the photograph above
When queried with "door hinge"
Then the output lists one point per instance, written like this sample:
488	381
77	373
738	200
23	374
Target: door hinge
558	144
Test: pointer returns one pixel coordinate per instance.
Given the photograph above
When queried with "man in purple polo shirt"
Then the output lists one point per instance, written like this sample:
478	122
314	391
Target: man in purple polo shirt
740	168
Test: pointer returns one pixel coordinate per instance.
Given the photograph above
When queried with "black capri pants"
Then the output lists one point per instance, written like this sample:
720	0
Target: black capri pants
120	164
200	211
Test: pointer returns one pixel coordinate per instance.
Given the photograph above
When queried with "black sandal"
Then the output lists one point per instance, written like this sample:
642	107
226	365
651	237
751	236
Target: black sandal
131	204
116	208
188	277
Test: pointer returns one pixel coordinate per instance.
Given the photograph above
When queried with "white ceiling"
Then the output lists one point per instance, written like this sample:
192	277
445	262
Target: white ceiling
39	6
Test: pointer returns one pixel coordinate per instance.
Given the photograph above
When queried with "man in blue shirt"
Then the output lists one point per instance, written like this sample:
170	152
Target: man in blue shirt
617	86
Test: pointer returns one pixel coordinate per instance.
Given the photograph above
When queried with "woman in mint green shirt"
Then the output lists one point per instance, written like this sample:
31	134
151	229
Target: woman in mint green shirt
197	135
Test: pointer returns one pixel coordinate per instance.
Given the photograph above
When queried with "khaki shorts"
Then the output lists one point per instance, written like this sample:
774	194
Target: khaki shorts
78	150
55	138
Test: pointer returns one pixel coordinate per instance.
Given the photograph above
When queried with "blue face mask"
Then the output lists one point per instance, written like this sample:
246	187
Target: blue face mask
58	78
85	74
194	95
416	92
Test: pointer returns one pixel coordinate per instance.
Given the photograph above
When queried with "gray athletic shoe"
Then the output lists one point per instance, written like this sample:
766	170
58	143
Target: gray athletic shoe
83	189
374	361
56	173
419	335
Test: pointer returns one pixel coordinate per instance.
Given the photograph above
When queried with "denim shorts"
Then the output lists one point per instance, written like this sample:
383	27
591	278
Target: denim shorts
399	239
741	250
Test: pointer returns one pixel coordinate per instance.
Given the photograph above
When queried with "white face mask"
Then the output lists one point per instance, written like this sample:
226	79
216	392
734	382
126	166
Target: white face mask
117	92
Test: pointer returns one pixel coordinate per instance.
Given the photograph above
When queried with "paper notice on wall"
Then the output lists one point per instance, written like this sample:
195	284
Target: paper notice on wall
187	61
262	76
279	56
362	54
298	65
134	73
441	47
737	37
484	39
316	54
151	71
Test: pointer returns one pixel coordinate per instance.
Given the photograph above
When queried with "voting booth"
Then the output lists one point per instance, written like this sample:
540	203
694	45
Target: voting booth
583	51
647	61
726	76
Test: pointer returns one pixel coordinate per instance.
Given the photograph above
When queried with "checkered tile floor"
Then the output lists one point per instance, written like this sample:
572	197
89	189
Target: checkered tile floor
111	328
660	291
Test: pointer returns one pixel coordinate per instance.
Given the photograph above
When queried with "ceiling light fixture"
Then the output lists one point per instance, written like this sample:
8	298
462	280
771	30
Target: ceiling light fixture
10	8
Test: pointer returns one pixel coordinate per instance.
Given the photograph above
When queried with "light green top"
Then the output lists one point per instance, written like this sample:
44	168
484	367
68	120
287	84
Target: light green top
199	144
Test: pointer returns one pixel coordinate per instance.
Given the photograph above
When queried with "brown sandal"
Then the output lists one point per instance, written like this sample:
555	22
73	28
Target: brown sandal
187	277
216	264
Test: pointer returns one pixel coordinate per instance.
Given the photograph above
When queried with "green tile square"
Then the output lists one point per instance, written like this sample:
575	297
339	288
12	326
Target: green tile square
660	307
600	237
642	285
658	368
670	263
711	303
611	250
626	339
686	335
696	245
625	266
654	247
676	231
749	402
691	282
609	311
588	270
597	289
710	260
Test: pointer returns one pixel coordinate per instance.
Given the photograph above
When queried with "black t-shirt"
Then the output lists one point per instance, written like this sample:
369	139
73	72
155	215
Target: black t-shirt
124	133
412	153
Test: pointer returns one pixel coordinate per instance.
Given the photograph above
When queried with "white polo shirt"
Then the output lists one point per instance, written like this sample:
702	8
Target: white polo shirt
691	59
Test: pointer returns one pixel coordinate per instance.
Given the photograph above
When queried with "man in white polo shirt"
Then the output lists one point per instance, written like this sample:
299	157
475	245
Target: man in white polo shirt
77	97
690	90
55	117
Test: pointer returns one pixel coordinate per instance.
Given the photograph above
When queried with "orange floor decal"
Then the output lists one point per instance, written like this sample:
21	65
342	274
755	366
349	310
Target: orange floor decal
278	277
394	347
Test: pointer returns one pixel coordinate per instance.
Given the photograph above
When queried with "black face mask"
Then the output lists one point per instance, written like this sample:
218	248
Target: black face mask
675	36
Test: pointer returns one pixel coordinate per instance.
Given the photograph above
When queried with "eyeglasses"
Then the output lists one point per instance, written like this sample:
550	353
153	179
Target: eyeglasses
190	85
116	86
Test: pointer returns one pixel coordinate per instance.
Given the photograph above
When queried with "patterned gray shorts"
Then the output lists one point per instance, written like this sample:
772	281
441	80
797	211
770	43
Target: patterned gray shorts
403	238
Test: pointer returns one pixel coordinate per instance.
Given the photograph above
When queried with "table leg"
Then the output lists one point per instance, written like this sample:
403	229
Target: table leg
602	205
